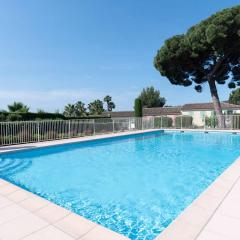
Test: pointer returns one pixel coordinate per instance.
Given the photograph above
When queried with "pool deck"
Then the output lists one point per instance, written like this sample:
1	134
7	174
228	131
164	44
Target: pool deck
214	215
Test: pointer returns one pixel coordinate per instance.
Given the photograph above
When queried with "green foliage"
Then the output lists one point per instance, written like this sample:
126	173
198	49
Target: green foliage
70	110
151	98
3	117
75	110
18	107
163	122
14	117
208	52
110	104
210	49
183	121
80	109
236	122
6	116
234	97
211	122
138	107
96	107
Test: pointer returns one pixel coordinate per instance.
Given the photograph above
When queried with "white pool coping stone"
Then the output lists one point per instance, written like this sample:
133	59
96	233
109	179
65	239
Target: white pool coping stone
214	215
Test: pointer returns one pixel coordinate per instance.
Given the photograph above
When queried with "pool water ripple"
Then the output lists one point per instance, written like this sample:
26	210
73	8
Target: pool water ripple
134	185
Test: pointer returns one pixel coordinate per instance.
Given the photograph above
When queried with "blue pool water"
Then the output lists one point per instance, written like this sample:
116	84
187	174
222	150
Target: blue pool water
135	185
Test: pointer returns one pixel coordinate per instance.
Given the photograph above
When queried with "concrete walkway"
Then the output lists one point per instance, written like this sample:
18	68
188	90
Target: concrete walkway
24	215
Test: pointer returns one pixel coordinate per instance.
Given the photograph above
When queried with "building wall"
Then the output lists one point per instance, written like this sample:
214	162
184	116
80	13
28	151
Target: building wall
198	116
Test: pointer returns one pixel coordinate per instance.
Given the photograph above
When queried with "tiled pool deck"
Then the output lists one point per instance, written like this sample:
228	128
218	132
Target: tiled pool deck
214	215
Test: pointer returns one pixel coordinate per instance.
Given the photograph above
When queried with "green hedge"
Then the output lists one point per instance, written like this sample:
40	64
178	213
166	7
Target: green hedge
163	122
30	116
183	121
211	122
236	122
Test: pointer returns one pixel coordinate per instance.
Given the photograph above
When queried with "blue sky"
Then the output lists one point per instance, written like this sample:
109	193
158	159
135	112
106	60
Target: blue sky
54	52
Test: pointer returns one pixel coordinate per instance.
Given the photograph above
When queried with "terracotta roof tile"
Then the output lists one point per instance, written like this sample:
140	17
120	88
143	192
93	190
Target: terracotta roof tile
208	106
162	111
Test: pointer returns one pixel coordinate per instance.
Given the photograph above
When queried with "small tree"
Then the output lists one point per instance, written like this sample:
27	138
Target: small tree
151	98
208	53
18	107
234	97
70	110
138	107
110	103
96	107
80	109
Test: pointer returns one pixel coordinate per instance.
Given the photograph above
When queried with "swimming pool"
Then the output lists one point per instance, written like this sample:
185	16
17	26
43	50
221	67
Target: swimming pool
135	185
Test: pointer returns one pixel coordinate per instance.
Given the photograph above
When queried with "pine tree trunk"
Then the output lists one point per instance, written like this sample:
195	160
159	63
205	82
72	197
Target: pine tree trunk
216	104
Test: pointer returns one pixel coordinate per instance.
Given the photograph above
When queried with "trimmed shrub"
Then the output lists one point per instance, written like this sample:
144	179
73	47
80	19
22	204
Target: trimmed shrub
183	121
236	121
2	117
30	116
163	122
138	107
211	122
14	117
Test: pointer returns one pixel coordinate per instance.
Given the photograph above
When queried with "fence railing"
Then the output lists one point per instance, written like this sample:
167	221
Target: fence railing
37	131
225	122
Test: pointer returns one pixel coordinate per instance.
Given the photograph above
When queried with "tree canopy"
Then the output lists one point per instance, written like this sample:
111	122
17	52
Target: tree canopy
96	107
18	107
138	107
110	104
69	110
151	98
234	97
80	109
210	49
208	53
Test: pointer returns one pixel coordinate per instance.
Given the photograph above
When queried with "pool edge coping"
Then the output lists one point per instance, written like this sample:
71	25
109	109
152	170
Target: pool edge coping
37	206
192	221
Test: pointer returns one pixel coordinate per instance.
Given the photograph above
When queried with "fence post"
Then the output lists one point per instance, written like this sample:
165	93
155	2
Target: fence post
181	121
94	128
69	129
113	125
129	124
161	122
204	124
38	131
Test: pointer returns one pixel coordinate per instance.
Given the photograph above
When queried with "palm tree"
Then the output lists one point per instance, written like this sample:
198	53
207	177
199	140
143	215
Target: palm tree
96	107
110	104
70	110
80	109
18	107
